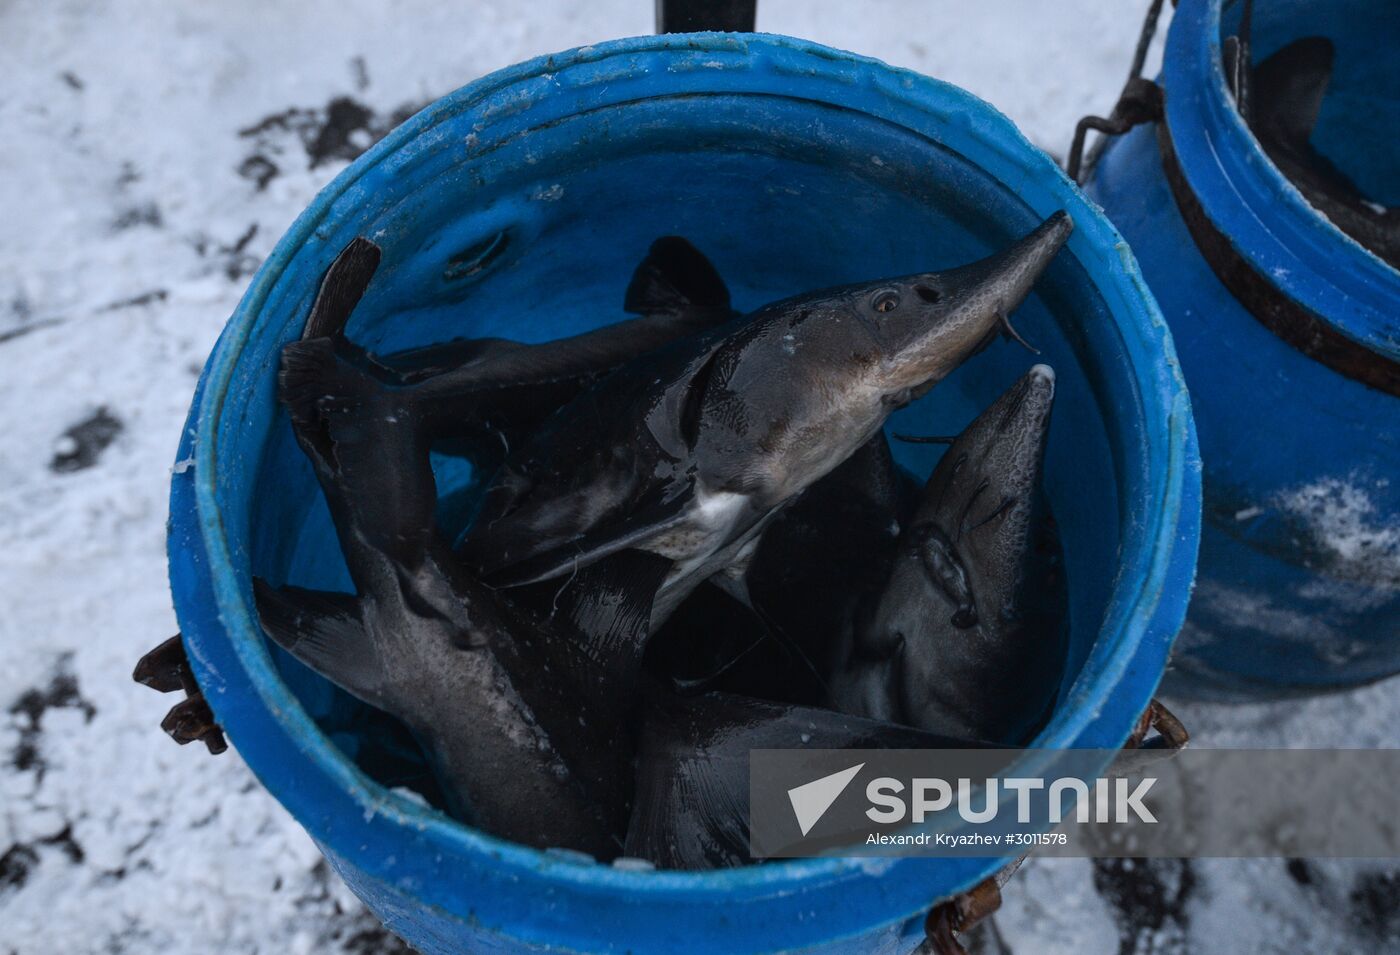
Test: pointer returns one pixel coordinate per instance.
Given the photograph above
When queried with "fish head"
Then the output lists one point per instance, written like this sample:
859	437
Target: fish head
973	525
806	381
930	322
976	592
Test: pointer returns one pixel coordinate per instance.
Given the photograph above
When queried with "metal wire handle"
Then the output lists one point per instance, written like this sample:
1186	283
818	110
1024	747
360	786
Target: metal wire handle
694	16
1140	102
962	913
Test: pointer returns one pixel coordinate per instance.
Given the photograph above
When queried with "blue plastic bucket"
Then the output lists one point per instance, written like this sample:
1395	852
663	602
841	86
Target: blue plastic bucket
519	206
1299	577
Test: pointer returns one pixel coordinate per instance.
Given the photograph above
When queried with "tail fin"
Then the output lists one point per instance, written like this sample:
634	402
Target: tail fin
306	366
342	288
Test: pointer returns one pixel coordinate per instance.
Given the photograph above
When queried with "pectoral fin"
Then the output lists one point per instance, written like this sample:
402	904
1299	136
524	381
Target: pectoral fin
643	525
324	631
609	605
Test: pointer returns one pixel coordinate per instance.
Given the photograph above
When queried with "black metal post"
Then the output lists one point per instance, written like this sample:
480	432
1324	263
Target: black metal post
696	16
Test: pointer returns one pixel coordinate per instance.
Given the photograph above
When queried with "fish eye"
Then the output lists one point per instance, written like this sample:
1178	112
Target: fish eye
886	301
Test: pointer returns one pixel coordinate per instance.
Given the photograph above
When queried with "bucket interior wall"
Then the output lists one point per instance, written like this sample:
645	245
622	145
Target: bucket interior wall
783	200
1361	110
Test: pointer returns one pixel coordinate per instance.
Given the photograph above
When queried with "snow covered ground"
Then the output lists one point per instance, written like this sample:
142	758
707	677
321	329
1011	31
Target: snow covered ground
152	155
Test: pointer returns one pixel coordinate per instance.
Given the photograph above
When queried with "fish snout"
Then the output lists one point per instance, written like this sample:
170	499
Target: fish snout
1007	441
962	308
988	291
1005	278
1029	402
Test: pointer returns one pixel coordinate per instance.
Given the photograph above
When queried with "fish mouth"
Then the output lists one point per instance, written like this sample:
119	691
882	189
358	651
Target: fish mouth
1005	279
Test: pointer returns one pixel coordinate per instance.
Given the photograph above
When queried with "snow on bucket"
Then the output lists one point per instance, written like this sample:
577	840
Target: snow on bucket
1289	335
518	206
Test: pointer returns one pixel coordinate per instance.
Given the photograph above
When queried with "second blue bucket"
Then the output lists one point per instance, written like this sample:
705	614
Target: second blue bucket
518	206
1289	334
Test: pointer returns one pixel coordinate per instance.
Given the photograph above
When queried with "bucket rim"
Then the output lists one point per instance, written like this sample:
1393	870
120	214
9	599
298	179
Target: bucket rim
1145	601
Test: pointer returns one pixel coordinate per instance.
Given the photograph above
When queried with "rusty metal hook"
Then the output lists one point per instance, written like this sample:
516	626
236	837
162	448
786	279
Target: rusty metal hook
959	914
1171	732
1139	102
166	669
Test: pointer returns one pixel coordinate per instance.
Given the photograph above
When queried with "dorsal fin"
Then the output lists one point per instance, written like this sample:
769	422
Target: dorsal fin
1289	87
675	276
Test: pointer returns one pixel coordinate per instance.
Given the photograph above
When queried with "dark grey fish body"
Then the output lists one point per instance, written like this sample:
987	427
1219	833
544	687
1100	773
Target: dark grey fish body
968	627
825	553
479	397
692	804
688	452
1287	91
515	711
463	675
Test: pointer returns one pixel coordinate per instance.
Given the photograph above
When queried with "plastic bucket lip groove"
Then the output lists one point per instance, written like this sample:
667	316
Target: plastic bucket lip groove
1004	155
1268	222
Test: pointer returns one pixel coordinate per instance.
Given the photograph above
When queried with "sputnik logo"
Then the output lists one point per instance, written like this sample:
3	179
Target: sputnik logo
810	801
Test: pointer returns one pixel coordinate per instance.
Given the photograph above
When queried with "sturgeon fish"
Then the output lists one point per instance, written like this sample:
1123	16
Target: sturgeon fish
966	637
687	453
